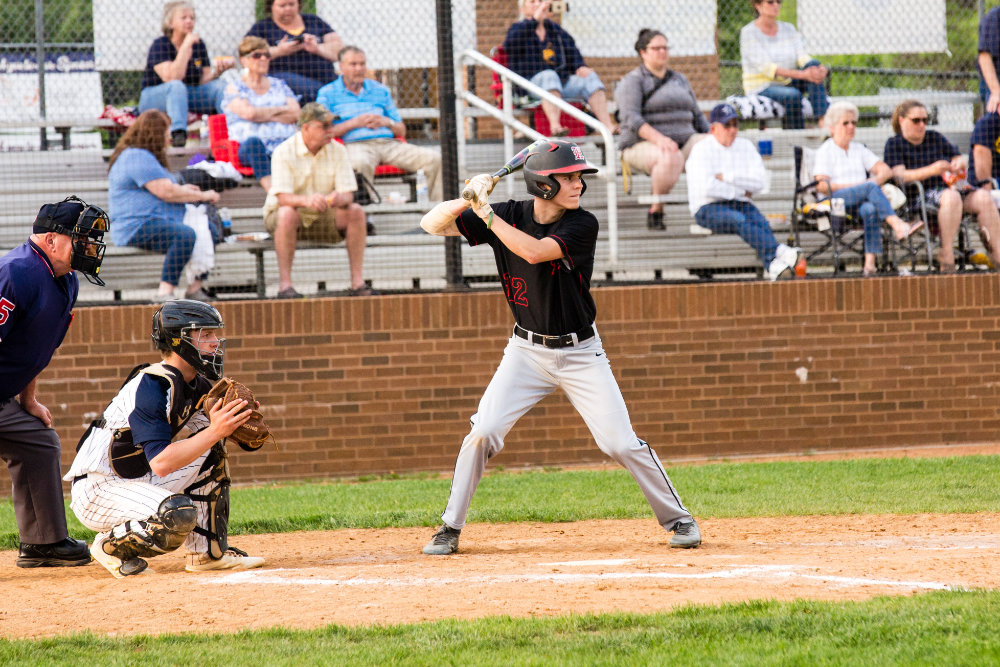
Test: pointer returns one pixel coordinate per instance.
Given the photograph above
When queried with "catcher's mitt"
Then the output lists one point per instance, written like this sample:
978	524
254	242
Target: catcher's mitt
251	434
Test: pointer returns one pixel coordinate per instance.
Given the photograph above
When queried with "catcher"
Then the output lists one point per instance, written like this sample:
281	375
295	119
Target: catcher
144	492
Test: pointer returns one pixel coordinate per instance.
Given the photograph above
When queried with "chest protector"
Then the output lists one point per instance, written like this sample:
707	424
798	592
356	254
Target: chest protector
128	460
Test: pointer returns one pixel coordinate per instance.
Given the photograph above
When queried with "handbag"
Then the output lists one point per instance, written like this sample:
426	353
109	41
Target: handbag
366	193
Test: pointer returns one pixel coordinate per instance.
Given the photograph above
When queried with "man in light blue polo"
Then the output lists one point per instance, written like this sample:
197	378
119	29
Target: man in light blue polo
370	126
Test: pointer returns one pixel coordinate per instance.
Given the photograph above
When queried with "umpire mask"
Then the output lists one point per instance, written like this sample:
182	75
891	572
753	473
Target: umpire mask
85	225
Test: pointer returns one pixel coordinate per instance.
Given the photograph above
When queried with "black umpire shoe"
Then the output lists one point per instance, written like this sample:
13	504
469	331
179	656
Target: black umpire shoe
67	553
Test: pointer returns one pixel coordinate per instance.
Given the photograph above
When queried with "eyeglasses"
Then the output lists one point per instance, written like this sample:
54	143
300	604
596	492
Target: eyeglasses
732	124
771	2
257	55
920	120
849	122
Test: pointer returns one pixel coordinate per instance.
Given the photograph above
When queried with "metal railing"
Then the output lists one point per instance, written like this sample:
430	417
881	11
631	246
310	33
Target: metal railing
505	114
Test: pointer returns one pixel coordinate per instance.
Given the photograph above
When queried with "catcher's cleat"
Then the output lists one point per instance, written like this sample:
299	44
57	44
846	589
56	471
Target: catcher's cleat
687	535
117	567
444	542
233	559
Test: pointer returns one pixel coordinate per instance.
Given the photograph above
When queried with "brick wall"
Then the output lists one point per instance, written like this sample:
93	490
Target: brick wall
356	386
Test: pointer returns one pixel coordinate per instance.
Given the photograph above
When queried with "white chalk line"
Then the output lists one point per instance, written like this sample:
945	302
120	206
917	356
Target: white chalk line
921	543
766	572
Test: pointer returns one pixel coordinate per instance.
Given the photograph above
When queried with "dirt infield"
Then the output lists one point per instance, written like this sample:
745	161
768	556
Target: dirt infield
360	577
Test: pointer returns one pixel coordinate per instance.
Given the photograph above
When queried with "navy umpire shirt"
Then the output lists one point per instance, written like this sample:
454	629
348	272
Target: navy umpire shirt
35	313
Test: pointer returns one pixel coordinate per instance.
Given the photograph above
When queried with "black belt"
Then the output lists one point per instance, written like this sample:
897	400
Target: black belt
79	477
565	340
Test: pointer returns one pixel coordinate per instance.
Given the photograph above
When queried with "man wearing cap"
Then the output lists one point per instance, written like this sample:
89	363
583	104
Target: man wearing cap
312	198
724	172
38	289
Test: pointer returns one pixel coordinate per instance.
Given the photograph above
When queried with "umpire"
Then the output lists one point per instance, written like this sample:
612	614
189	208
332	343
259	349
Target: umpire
38	289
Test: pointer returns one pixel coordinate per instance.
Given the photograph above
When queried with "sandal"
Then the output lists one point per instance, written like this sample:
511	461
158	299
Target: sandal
364	290
912	227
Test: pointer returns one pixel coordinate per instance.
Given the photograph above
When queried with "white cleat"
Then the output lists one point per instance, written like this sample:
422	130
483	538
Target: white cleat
233	559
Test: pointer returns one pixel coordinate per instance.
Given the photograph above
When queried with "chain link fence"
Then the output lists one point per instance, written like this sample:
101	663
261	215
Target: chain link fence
58	127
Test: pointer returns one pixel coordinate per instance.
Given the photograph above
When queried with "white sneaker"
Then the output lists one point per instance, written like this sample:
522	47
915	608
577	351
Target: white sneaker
118	568
788	263
233	559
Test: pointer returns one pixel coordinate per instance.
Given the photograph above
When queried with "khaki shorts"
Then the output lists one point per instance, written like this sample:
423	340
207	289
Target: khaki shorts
313	225
643	155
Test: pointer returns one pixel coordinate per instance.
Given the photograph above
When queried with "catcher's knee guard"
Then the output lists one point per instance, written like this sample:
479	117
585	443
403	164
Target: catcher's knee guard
159	534
215	485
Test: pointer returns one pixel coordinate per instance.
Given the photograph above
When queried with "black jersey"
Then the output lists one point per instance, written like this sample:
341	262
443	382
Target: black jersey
551	298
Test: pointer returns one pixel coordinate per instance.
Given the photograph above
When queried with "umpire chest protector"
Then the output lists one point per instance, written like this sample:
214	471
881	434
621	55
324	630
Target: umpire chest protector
127	459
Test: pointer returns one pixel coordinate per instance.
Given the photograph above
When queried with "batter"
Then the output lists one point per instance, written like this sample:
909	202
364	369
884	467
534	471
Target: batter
544	249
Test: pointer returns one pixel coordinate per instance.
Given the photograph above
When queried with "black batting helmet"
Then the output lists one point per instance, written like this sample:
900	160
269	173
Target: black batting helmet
555	156
85	225
173	324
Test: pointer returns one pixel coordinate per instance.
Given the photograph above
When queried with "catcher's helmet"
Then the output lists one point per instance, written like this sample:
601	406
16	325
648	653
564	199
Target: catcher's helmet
555	156
85	225
173	324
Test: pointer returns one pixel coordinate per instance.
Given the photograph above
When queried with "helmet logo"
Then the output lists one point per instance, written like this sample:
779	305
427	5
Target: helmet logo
577	153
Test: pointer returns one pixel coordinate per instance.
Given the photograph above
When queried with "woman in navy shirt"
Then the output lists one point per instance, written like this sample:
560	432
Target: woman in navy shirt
303	47
178	76
917	154
542	52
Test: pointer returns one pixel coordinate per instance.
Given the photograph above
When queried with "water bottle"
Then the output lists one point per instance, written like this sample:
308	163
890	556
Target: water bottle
838	214
203	130
227	222
422	196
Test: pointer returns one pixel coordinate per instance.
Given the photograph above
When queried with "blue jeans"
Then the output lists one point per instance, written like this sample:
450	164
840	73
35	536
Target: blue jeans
743	218
866	201
176	100
575	88
304	87
253	154
790	97
176	240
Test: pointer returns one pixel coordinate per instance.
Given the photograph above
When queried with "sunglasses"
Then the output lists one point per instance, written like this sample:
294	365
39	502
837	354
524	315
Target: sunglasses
731	124
771	2
257	55
920	120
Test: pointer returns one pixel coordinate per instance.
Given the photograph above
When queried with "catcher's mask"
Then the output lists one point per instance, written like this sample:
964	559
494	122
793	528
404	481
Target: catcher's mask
554	157
85	225
174	326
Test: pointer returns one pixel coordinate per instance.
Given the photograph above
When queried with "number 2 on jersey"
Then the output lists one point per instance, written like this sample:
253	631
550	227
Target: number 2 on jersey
516	289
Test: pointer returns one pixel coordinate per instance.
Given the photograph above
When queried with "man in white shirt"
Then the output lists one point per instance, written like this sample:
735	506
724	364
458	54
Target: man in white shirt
724	172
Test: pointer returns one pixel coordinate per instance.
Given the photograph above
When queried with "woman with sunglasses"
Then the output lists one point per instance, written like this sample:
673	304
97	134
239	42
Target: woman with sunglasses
776	65
916	153
848	170
261	110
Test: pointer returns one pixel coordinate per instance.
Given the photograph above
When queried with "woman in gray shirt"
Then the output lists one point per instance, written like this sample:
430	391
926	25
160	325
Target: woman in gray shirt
660	119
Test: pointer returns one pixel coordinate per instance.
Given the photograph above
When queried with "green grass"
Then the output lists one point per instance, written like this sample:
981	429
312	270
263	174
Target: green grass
943	628
861	486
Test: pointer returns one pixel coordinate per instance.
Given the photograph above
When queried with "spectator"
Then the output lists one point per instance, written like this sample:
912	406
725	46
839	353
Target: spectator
776	65
261	111
312	197
303	47
178	76
541	51
988	60
370	125
146	204
660	118
848	170
38	289
724	173
984	165
917	154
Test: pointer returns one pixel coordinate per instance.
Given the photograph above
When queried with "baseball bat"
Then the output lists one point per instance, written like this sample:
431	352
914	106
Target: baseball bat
516	163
